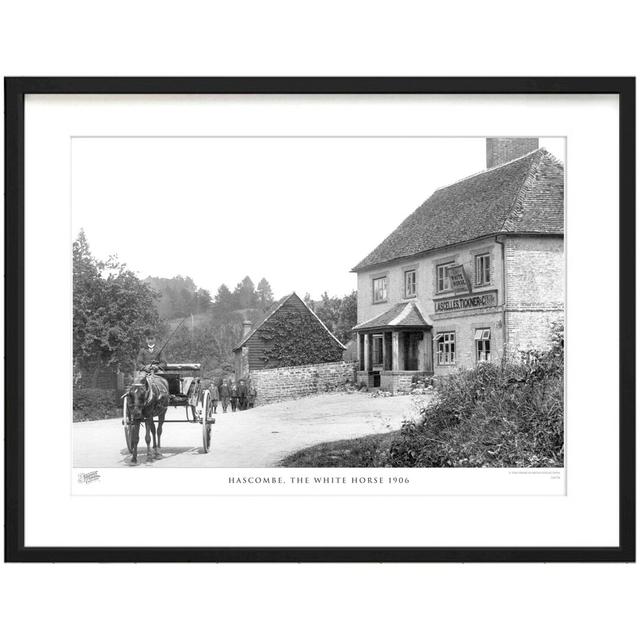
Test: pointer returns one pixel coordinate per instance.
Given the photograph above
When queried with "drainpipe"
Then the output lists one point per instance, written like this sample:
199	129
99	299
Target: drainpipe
504	297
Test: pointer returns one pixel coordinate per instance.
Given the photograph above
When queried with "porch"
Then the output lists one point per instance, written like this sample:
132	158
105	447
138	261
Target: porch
394	347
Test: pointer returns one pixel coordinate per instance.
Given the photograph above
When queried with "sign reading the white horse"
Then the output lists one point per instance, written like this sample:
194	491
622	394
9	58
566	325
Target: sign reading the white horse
458	278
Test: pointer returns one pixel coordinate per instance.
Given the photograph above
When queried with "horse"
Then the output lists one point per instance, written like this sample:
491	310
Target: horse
148	397
223	391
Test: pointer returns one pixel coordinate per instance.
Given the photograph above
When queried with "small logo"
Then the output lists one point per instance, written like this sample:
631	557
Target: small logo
89	476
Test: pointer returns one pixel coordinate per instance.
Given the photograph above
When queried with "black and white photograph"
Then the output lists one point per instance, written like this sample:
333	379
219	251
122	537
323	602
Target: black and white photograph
320	319
366	319
319	301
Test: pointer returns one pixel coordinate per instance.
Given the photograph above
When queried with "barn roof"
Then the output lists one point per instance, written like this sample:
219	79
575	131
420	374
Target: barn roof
275	310
525	195
401	315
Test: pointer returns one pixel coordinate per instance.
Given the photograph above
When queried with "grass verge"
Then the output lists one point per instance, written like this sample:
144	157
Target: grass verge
358	452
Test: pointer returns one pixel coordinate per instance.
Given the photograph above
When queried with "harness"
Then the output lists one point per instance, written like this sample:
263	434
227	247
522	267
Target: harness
154	390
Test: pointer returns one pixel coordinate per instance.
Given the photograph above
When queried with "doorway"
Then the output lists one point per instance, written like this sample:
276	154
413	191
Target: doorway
411	346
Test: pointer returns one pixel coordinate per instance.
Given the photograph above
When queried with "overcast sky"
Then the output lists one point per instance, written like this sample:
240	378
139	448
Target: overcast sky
300	212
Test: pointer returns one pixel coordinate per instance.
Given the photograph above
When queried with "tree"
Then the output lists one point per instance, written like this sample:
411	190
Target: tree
202	301
264	294
86	298
309	302
327	310
179	297
198	345
338	314
223	301
347	317
245	295
112	308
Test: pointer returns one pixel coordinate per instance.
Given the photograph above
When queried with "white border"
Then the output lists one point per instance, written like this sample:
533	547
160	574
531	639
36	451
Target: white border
586	516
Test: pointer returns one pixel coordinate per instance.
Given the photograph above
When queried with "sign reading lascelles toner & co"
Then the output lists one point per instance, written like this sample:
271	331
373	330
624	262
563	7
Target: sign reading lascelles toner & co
464	303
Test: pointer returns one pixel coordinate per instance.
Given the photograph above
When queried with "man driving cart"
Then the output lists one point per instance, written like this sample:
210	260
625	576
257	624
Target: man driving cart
149	358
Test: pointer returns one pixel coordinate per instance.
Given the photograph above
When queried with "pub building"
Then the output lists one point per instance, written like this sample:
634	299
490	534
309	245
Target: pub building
475	272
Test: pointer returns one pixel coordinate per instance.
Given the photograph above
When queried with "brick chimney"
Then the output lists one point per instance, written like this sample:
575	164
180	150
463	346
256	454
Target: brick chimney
501	150
246	328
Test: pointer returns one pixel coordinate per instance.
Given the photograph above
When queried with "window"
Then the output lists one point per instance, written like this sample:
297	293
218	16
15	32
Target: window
442	278
446	347
376	350
483	269
483	345
410	283
380	289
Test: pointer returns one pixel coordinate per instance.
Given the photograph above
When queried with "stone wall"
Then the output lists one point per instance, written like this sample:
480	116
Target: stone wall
530	329
285	383
535	290
534	273
396	381
393	381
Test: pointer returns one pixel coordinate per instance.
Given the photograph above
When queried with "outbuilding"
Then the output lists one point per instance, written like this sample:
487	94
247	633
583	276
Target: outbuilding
291	335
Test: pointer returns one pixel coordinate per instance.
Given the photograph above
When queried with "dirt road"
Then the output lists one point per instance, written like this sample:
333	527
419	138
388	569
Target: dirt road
259	437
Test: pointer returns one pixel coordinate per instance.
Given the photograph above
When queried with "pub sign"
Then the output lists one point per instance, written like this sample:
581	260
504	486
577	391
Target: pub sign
458	278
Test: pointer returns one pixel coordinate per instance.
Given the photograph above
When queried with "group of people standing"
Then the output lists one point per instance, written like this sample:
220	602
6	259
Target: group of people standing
240	394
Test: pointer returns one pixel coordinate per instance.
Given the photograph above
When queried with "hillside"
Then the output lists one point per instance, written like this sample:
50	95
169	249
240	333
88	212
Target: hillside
213	327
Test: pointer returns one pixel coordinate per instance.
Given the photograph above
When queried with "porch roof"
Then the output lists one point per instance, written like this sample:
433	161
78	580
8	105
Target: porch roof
405	315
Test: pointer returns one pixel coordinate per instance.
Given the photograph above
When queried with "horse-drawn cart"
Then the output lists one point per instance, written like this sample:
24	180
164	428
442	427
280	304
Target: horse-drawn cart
187	390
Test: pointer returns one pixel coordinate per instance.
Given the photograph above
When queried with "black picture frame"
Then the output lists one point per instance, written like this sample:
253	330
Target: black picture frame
15	91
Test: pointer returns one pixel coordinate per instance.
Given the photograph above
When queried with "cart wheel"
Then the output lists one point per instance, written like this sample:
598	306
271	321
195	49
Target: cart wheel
126	421
210	417
191	413
206	421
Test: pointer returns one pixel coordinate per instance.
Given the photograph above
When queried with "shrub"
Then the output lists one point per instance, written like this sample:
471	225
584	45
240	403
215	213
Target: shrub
95	404
509	414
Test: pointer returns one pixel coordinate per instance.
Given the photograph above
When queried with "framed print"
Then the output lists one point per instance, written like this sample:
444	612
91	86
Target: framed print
320	319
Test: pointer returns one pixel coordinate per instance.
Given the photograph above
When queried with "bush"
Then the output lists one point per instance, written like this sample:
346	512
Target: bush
495	415
95	404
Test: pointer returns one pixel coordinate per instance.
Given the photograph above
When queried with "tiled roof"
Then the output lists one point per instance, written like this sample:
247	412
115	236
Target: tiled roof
404	314
525	195
274	309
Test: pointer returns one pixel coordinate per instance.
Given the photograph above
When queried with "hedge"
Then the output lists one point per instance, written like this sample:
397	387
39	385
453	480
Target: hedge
95	404
509	414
